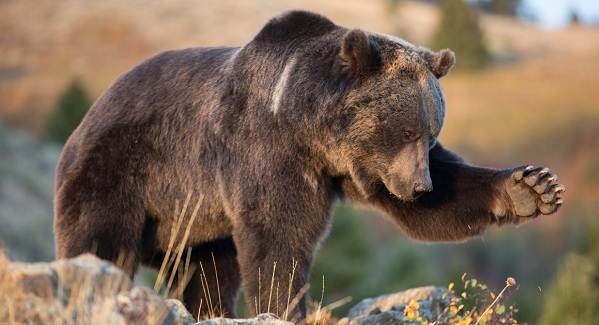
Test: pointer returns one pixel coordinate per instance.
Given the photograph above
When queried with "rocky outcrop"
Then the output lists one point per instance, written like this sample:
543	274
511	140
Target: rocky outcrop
87	290
262	319
426	302
82	290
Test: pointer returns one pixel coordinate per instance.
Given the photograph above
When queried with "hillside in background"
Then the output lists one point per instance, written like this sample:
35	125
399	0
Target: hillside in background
541	92
26	190
46	43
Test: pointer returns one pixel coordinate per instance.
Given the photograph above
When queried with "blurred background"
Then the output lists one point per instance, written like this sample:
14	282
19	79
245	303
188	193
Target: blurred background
525	90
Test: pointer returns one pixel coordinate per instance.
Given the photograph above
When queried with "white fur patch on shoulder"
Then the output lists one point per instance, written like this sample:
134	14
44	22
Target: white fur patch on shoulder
311	180
231	59
281	85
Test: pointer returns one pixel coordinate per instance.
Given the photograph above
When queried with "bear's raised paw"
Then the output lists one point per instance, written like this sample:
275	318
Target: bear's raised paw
533	191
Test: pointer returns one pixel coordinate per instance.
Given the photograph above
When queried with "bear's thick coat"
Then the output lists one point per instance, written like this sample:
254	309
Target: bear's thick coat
266	137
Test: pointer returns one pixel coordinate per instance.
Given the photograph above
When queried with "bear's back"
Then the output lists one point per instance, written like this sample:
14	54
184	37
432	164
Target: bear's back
165	97
161	85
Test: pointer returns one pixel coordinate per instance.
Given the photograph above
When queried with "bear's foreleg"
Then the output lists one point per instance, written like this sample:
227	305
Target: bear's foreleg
467	199
276	241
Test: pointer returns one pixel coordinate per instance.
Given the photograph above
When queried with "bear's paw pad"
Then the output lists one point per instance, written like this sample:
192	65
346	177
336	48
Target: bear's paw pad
534	190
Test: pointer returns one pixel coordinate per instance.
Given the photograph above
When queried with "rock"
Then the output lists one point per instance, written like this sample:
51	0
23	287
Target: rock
81	290
262	319
88	290
142	306
390	309
180	311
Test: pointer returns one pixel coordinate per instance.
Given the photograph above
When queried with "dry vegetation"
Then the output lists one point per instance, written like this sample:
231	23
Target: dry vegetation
85	292
474	304
175	273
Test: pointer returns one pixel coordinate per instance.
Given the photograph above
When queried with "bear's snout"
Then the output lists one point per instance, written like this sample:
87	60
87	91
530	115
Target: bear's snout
408	190
421	188
408	175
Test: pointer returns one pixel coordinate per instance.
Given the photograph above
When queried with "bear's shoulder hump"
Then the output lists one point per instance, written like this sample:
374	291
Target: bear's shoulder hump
294	24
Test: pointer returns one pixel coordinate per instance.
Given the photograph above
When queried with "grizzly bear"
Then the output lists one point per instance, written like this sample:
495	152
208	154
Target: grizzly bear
269	135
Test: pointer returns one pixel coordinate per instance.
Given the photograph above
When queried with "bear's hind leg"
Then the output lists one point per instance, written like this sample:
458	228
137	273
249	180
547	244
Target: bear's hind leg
109	227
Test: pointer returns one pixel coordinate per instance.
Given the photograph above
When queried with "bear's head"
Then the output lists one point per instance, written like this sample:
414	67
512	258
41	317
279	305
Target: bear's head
370	103
390	114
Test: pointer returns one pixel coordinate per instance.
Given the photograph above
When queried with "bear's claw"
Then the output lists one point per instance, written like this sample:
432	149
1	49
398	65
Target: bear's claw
533	191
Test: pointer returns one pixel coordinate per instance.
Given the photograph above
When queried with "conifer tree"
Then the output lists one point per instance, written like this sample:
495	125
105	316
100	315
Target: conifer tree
459	30
69	111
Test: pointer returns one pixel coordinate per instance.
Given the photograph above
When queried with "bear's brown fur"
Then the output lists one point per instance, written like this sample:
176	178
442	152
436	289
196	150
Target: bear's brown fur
270	135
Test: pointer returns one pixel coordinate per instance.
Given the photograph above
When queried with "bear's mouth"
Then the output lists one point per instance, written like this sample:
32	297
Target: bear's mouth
372	184
383	191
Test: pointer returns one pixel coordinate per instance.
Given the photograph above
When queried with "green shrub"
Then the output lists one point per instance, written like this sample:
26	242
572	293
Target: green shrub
574	295
71	107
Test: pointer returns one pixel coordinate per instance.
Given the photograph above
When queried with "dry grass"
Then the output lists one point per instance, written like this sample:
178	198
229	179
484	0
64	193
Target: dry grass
508	283
180	274
510	105
318	314
171	266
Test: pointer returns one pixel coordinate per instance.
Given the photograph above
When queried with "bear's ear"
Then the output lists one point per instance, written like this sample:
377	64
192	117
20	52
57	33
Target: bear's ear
357	55
438	62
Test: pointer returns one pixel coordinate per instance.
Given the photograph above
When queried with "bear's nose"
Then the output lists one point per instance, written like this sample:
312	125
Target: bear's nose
422	188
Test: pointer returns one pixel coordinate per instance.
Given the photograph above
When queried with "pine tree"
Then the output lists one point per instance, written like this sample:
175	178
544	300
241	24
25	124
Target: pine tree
71	107
459	30
574	18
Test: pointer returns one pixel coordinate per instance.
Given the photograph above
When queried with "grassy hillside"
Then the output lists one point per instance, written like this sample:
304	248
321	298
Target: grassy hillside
47	43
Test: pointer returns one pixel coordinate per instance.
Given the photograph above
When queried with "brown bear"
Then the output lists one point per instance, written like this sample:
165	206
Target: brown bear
270	135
